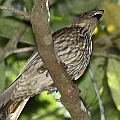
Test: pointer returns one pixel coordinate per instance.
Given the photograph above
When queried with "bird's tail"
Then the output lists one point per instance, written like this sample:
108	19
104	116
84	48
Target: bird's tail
10	109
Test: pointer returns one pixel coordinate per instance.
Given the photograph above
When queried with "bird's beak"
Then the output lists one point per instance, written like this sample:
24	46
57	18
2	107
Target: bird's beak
98	14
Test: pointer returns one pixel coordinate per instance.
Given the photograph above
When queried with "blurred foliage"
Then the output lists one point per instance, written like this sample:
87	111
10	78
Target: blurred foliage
105	69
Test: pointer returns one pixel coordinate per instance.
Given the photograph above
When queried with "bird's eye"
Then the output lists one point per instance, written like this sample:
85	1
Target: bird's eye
84	13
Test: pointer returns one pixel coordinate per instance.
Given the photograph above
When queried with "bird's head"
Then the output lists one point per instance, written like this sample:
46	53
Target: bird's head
89	20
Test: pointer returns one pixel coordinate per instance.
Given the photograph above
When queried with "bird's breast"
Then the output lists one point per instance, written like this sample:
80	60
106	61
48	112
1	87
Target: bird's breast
74	50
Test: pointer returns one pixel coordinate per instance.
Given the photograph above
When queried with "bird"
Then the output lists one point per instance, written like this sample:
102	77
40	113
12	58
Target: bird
72	46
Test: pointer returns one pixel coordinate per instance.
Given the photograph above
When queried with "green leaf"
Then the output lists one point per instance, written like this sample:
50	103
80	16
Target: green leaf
7	3
2	76
10	24
81	6
113	74
28	5
86	86
111	16
7	26
111	19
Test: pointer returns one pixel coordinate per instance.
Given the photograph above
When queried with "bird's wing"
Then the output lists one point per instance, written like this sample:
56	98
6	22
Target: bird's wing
32	80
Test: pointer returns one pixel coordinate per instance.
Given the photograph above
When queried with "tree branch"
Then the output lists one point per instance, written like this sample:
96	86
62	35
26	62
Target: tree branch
69	92
25	14
12	44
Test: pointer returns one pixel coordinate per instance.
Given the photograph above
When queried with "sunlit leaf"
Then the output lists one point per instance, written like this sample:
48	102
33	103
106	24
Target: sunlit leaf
111	16
13	71
113	74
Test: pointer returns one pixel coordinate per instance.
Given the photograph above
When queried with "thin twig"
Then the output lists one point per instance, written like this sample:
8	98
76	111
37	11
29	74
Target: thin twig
4	36
98	94
21	41
25	14
110	37
25	49
12	44
106	55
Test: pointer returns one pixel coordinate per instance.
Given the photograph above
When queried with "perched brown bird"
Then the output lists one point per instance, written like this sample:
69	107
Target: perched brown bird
73	47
